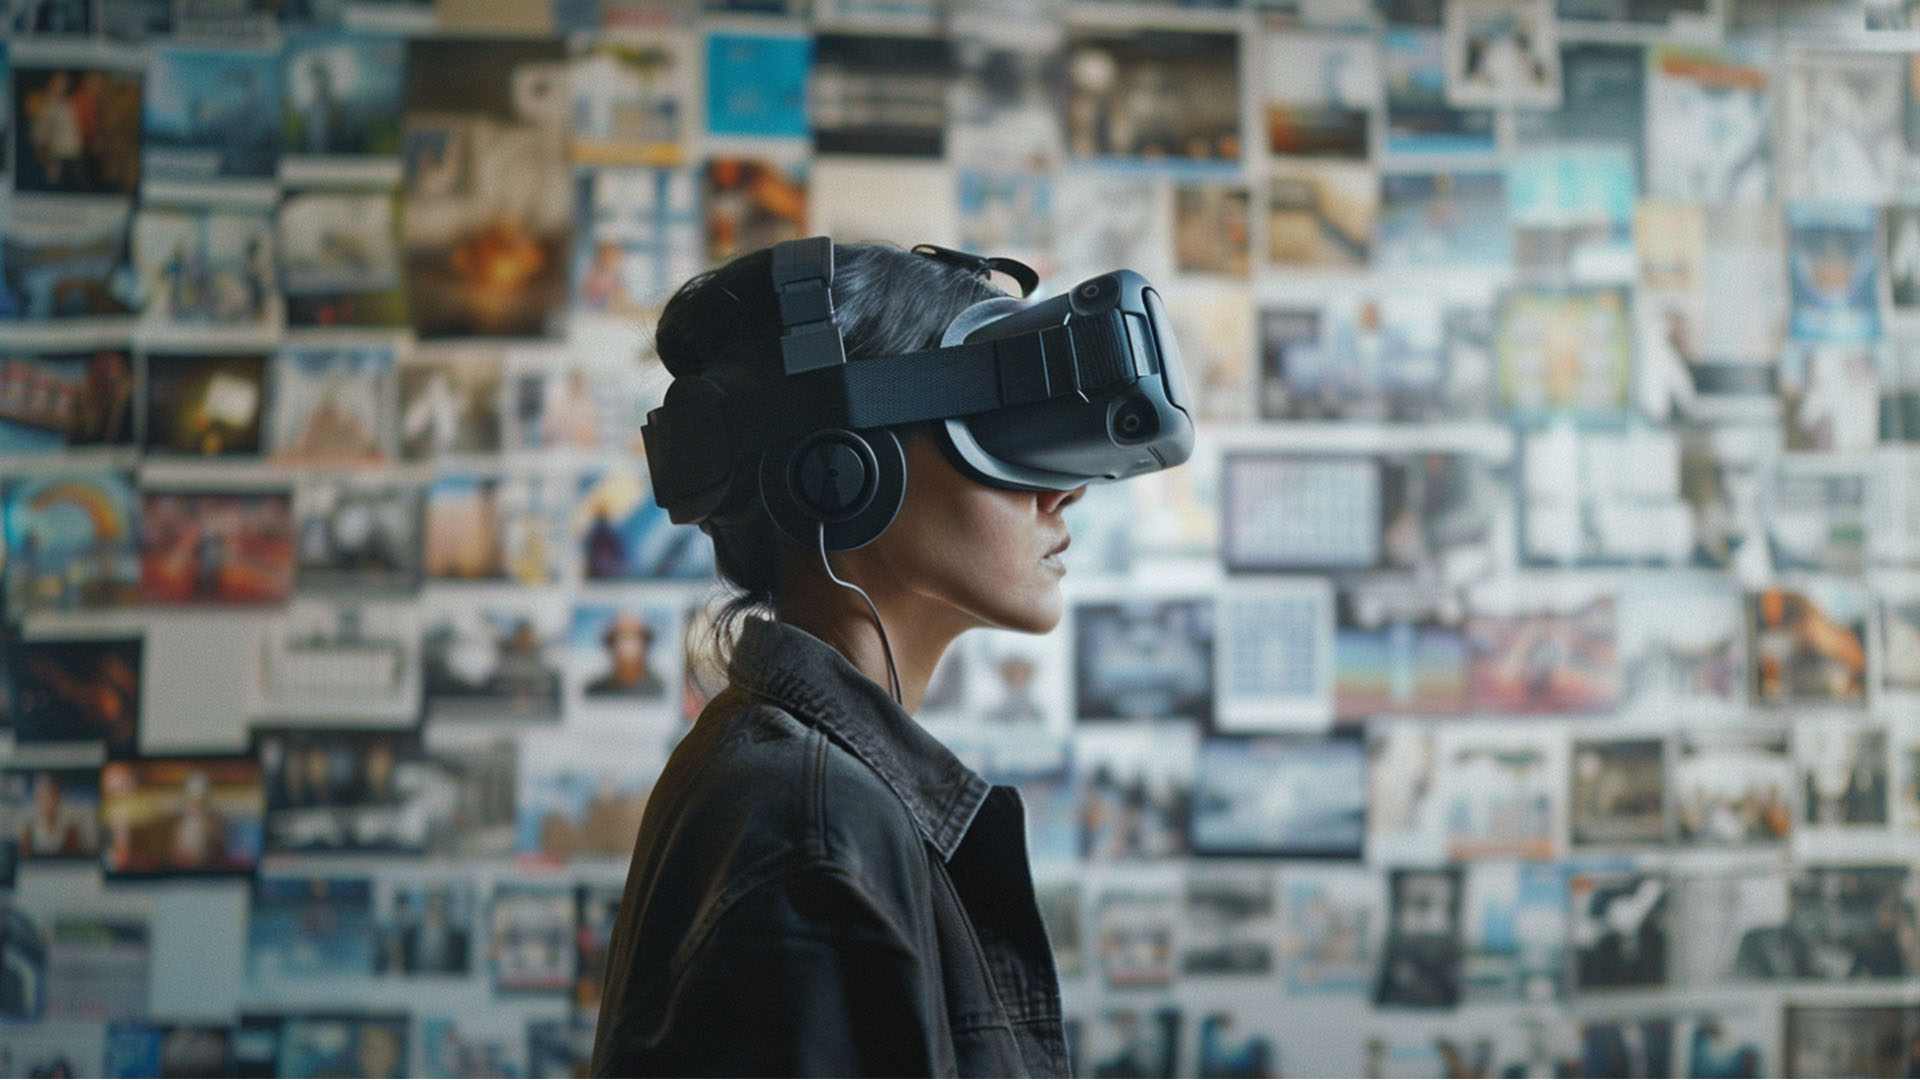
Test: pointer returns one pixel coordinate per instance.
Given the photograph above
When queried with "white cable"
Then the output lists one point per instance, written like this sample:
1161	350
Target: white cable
893	675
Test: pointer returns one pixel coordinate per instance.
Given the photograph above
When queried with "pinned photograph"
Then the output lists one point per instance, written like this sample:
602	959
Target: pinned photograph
751	204
635	99
1007	212
596	909
99	967
1230	925
620	651
1320	93
488	206
52	813
1604	93
494	528
425	928
205	404
189	816
1559	657
1419	119
1136	791
204	115
1816	513
1600	494
1153	95
1331	929
1709	126
1829	397
495	662
68	259
340	100
207	267
71	541
1145	660
1843	775
576	801
869	94
333	406
530	943
1276	656
52	402
1135	928
1502	793
344	790
1572	211
1292	512
1564	349
1214	324
1002	113
310	928
1227	1045
340	258
479	782
1617	923
1807	645
624	536
1280	796
1321	214
1682	649
450	403
1420	964
1840	924
1502	52
1833	260
757	84
1618	792
216	547
1843	128
76	130
355	534
1448	219
637	236
1212	229
1513	931
342	659
1134	1041
1851	1040
84	690
1403	823
1399	652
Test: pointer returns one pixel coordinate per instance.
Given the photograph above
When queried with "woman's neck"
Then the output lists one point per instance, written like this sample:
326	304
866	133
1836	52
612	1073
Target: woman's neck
838	616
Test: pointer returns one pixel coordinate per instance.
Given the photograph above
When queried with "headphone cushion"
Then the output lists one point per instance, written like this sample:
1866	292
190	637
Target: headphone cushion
850	482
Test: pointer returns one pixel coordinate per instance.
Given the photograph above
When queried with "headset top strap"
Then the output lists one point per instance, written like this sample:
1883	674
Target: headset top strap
982	265
803	278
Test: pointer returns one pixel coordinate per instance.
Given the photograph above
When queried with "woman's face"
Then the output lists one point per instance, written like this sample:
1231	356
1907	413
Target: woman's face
982	556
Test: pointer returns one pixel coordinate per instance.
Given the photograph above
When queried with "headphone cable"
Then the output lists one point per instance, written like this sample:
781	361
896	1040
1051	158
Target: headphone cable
893	674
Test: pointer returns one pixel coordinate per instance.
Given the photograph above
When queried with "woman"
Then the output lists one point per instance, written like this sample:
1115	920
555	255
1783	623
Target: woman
819	886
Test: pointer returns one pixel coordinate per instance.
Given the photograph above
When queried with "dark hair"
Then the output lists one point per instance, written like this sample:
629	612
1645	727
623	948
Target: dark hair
886	301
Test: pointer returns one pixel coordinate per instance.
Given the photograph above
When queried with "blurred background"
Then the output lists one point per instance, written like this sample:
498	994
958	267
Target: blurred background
1519	680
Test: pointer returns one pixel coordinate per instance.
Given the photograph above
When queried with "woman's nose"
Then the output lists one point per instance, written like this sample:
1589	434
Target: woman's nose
1055	501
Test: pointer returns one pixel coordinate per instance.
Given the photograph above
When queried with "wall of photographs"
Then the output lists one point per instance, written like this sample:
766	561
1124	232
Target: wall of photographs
1519	678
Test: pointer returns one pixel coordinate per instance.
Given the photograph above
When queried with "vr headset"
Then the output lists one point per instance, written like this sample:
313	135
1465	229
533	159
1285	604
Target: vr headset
1080	388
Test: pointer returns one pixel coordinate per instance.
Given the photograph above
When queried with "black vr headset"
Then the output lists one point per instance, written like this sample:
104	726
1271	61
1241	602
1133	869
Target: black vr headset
1080	388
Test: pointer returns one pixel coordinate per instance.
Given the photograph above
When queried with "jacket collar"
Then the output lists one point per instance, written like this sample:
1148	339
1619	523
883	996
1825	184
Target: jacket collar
810	678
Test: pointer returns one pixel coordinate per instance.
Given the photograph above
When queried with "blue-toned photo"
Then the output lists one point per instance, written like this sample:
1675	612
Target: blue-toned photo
310	927
342	95
624	535
1280	797
619	647
1833	261
203	115
70	541
1443	219
757	85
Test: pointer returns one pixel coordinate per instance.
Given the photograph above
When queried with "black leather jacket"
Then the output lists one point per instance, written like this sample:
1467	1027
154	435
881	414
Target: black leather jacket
821	888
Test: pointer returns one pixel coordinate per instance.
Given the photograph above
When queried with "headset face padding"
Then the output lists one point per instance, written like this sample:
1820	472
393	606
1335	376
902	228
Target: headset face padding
850	483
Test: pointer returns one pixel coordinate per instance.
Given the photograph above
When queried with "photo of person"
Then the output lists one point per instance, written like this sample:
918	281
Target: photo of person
617	647
181	816
426	929
76	130
55	812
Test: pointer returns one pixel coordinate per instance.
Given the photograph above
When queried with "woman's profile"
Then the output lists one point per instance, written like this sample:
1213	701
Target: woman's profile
819	886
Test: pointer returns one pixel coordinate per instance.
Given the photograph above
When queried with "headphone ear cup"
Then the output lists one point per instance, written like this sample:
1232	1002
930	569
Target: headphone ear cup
851	482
